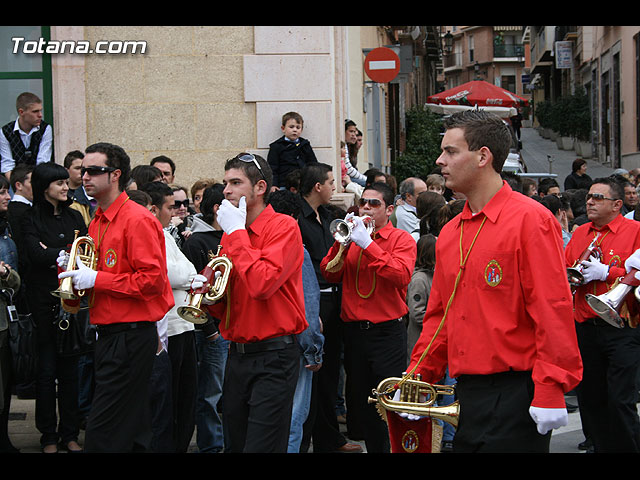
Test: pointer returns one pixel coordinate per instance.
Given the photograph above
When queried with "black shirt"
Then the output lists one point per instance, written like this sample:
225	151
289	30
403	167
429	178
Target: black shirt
316	236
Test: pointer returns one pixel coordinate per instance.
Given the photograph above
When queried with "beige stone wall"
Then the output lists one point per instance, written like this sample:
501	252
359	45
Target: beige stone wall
183	98
202	94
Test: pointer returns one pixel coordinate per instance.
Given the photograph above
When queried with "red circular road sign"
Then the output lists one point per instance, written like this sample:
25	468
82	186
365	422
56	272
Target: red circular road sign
382	64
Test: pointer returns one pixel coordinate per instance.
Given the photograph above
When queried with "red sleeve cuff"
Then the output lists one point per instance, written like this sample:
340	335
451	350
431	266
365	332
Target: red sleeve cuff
548	396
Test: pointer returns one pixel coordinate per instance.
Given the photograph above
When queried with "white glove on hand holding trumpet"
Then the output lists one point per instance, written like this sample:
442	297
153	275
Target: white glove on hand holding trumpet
200	281
83	278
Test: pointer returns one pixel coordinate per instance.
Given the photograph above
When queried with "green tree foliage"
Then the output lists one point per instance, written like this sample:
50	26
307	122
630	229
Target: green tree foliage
422	146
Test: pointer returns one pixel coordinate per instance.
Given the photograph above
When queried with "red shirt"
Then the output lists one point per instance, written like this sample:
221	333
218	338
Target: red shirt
132	284
512	307
265	286
390	259
618	240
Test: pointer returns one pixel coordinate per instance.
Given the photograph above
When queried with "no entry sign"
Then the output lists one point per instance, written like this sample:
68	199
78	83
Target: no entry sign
382	64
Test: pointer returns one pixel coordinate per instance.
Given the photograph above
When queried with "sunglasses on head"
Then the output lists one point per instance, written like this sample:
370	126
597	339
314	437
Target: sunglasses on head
249	158
374	202
598	197
179	203
95	170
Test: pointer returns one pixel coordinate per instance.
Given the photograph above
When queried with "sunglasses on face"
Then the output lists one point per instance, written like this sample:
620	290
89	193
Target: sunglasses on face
598	197
179	203
249	158
374	202
96	170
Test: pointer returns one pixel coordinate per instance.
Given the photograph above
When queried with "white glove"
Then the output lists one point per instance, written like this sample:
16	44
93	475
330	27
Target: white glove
198	282
83	278
594	270
232	218
63	259
549	418
408	416
359	234
633	261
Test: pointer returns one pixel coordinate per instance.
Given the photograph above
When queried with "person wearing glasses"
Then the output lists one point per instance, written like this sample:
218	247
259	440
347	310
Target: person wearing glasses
262	312
499	313
607	393
375	273
131	292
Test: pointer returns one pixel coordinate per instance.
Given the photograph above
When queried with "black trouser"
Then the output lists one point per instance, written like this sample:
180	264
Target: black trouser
608	391
373	352
494	415
56	385
258	395
120	417
322	423
184	378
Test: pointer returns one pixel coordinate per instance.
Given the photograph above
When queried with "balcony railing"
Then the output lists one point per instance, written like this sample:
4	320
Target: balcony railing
511	50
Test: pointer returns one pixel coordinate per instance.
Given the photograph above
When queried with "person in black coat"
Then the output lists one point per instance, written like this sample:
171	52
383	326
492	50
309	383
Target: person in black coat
578	178
48	228
291	151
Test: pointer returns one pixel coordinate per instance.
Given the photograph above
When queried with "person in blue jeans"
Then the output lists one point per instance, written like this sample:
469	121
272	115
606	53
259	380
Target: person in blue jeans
311	342
212	358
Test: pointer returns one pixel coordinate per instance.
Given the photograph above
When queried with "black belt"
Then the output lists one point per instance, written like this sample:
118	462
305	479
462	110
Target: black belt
330	289
112	328
366	324
276	343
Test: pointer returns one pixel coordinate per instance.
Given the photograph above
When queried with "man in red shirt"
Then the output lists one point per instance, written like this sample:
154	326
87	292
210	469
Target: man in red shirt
501	294
262	311
375	273
607	394
131	292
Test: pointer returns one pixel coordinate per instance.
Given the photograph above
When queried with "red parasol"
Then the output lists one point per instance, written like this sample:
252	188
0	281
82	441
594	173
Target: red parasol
478	93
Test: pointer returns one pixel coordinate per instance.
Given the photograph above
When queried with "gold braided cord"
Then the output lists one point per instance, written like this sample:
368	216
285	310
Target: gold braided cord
463	261
373	286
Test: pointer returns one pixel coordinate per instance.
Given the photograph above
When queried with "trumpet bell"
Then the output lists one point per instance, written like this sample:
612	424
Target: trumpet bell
192	314
218	272
341	229
574	275
607	305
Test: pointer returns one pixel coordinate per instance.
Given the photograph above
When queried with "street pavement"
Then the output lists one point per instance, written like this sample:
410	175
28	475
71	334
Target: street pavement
536	151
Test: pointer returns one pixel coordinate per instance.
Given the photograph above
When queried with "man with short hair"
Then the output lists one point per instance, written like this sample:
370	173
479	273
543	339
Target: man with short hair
81	201
375	271
131	292
406	217
262	312
608	391
20	180
500	313
631	199
166	166
28	139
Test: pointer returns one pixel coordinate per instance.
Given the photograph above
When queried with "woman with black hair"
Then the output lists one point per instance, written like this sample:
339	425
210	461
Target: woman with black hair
48	228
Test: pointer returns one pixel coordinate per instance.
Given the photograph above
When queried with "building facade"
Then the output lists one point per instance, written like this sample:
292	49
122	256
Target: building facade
202	94
605	61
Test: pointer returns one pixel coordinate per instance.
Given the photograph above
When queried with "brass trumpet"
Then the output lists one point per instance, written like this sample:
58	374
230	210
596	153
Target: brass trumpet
83	248
411	390
217	271
574	273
